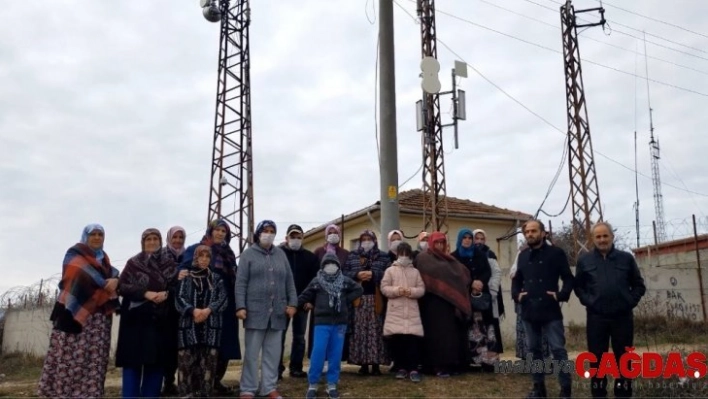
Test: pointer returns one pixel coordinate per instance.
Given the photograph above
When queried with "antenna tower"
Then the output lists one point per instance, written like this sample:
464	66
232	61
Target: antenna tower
655	156
232	157
583	179
434	187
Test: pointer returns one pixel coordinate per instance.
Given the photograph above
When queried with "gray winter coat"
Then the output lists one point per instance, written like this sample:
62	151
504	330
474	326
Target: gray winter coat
264	287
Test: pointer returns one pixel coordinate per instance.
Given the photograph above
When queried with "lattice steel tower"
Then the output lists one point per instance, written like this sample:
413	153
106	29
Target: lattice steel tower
434	187
584	191
232	161
655	156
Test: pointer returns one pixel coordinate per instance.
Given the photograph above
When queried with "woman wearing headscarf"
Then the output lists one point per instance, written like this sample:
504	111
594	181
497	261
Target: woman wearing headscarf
144	331
395	238
480	243
223	264
482	339
174	248
367	266
445	308
332	245
200	300
265	299
422	244
80	342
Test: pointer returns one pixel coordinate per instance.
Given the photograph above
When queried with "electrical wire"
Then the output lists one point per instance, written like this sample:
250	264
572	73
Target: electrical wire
366	12
658	20
592	38
635	37
540	117
584	59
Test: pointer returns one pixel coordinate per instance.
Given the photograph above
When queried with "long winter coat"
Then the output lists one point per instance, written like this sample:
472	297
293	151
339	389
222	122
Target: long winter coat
402	313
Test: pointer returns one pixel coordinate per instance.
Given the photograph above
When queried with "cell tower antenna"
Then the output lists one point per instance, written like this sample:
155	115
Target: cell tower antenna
429	122
655	152
232	156
585	194
434	185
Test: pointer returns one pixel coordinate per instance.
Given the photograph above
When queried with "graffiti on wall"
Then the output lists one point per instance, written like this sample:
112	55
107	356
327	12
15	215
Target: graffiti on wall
677	307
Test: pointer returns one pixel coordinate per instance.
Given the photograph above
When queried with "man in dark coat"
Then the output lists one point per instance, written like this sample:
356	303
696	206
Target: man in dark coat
535	288
304	265
609	284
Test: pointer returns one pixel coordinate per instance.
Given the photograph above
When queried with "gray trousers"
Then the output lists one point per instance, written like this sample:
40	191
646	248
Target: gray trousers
269	341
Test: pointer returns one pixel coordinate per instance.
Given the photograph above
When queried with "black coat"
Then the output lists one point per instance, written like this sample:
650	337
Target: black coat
609	285
304	265
538	271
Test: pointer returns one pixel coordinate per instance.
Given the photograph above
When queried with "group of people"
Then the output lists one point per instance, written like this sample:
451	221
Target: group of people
416	311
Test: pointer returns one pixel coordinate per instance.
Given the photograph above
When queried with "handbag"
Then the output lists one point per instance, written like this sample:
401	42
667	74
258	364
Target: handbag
379	304
481	302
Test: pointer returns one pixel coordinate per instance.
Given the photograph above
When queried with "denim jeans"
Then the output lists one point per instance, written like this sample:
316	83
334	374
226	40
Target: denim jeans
329	344
555	333
142	382
297	350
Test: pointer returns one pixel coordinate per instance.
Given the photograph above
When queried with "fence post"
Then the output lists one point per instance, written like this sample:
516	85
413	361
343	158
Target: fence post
698	267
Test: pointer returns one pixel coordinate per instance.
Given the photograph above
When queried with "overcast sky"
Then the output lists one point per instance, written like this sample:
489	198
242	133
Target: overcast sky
107	112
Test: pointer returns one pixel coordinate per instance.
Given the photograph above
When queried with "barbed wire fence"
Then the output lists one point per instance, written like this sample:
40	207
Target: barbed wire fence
40	294
676	229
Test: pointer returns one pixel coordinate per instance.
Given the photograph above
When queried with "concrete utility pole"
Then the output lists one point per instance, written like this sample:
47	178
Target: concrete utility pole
388	147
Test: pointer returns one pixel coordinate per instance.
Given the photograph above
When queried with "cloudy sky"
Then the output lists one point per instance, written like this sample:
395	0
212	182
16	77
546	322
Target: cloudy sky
106	114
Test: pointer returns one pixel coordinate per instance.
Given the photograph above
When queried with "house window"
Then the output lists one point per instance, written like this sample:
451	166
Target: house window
354	245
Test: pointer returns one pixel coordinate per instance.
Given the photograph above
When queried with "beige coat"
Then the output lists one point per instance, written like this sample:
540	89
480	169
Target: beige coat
402	313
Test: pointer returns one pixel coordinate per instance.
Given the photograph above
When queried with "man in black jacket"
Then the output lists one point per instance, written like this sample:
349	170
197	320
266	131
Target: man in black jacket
609	284
535	288
304	265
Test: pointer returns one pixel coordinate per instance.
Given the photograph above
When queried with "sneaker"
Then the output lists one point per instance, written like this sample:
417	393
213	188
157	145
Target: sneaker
275	395
402	374
332	393
415	376
311	393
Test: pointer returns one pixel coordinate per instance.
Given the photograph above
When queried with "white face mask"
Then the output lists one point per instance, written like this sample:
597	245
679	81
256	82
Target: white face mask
295	243
404	260
367	245
267	238
333	239
330	269
423	245
395	244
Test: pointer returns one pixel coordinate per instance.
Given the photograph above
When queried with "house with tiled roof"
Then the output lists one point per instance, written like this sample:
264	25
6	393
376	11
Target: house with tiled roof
495	221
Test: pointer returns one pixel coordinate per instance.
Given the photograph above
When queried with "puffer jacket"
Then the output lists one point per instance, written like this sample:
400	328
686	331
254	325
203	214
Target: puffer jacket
402	313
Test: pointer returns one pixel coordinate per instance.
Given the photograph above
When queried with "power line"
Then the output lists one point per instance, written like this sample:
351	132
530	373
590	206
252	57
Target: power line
635	37
559	52
658	20
591	38
539	116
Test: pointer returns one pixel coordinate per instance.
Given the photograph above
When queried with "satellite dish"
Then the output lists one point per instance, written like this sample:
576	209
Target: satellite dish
430	67
429	64
212	13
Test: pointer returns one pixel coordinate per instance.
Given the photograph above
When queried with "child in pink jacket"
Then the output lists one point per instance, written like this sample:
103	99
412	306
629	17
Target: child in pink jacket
402	285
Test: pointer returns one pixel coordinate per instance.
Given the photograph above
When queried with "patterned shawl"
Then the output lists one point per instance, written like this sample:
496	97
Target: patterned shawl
83	278
224	258
445	277
149	271
332	284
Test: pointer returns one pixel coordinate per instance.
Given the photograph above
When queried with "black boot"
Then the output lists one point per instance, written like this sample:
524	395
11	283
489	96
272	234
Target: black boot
565	392
220	372
538	391
623	388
